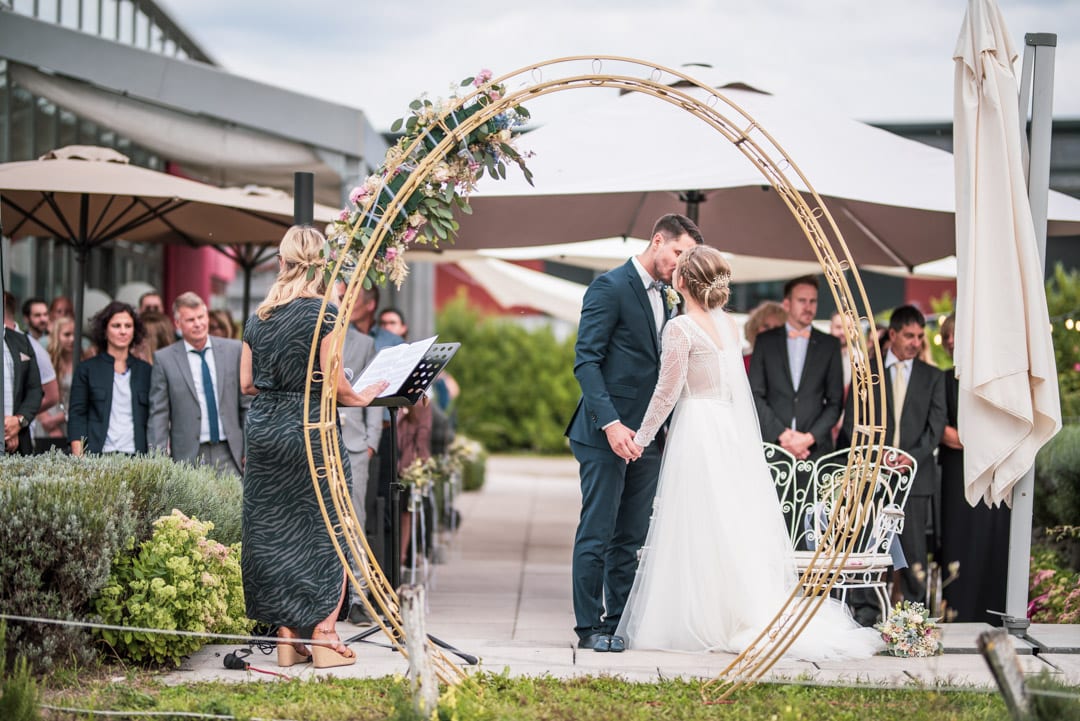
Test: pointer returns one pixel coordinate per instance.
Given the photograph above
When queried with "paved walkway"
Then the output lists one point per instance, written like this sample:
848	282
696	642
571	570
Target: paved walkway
504	595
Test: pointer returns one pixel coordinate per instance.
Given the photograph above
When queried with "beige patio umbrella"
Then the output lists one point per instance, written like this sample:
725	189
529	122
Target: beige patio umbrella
88	196
1008	405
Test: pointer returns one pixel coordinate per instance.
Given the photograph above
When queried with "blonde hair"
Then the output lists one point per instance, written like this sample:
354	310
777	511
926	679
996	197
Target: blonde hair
707	276
301	251
56	351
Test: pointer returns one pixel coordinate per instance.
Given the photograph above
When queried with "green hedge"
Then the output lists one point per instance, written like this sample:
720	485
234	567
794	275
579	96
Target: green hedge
66	519
1057	480
517	386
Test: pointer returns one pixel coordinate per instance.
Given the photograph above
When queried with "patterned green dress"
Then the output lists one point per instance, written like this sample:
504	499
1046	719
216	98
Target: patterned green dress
292	574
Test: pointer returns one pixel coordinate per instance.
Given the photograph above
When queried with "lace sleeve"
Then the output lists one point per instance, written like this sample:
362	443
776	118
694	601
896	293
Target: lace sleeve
673	363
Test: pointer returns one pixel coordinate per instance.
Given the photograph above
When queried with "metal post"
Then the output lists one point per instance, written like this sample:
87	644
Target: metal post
303	198
1039	55
693	199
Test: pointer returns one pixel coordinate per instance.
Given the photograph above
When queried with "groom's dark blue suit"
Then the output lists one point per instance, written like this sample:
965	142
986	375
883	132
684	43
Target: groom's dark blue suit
617	359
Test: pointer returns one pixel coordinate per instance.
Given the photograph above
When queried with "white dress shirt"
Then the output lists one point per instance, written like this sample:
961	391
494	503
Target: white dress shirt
195	364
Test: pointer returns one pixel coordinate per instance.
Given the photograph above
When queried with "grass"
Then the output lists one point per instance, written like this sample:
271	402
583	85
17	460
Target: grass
526	699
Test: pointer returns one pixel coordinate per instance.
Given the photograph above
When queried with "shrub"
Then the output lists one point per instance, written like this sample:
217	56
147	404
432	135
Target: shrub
1057	480
66	518
19	693
1054	591
518	389
178	579
61	529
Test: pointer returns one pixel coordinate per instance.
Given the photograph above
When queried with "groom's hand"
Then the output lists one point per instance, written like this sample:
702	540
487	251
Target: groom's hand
621	440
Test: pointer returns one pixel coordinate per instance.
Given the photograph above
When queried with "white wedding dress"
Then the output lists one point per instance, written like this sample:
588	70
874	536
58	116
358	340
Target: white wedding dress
717	564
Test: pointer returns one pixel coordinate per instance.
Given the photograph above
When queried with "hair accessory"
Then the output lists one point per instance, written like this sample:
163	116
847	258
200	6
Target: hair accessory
721	281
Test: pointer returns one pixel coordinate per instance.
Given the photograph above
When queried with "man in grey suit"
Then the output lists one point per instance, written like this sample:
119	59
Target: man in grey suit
796	377
361	428
915	425
196	407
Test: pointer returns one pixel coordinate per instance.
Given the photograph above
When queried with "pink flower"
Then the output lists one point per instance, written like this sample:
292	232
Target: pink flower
357	194
494	96
409	236
344	214
482	77
391	253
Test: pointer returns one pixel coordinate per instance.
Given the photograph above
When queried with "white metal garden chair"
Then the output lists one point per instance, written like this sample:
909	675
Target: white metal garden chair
870	560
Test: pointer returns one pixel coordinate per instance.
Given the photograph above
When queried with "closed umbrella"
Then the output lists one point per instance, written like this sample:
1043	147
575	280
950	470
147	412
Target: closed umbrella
1008	404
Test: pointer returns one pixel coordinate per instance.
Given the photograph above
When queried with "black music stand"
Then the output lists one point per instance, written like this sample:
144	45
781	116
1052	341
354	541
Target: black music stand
409	393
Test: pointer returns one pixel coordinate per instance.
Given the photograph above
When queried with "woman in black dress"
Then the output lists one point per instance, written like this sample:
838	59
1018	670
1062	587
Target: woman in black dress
293	578
975	538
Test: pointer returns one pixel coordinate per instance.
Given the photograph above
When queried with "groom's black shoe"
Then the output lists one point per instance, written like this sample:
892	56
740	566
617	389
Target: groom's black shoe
617	644
599	642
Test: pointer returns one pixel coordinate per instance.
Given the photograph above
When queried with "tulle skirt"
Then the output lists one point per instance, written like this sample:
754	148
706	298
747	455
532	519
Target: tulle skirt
717	564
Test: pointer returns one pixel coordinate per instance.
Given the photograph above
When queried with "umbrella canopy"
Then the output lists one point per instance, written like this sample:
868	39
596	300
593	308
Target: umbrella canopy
612	169
88	196
1007	375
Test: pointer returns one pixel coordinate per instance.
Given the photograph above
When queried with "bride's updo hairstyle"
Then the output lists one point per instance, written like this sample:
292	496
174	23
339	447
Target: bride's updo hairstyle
707	276
301	273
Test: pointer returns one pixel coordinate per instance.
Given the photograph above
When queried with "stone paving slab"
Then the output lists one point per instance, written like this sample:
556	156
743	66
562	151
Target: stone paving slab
1055	638
963	638
1067	665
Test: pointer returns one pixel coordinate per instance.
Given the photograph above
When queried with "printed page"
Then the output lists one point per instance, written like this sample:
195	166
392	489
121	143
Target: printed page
394	365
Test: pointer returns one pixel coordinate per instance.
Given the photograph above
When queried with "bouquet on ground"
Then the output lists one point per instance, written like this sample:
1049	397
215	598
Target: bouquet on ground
909	631
425	214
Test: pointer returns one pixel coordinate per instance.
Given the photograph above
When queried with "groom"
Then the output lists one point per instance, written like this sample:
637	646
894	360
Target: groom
617	360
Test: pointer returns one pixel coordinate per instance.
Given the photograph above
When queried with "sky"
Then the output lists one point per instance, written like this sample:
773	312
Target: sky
866	59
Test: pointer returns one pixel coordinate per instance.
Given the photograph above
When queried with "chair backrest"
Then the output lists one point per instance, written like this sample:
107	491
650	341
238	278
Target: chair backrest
792	481
885	514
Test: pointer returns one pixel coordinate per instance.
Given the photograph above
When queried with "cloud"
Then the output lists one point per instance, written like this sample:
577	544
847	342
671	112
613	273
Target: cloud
872	61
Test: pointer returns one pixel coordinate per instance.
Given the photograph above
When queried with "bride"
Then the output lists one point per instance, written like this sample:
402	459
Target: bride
717	564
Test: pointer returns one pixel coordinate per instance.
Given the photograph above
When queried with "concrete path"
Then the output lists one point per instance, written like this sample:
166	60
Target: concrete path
504	595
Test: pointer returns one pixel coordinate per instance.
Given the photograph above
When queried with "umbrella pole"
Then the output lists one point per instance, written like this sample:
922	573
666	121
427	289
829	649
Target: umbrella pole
1038	69
78	277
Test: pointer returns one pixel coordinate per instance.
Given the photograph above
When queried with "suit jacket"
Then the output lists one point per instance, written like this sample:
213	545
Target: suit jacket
617	356
175	417
26	394
361	428
816	405
922	420
91	401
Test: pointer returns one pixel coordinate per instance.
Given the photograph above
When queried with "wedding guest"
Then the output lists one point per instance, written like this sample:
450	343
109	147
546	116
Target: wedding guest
61	308
150	302
767	315
52	423
36	314
22	384
160	333
914	419
293	579
836	330
110	392
975	538
393	321
50	389
414	442
796	377
221	324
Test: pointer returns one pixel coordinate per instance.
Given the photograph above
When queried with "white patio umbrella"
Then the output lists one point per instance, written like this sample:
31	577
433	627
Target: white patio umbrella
611	170
513	285
1008	403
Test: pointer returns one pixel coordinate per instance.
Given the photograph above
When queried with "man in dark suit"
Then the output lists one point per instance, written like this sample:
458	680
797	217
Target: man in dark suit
22	385
915	425
797	378
617	360
196	408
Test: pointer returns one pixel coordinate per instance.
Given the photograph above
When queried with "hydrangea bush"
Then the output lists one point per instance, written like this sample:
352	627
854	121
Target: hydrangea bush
176	580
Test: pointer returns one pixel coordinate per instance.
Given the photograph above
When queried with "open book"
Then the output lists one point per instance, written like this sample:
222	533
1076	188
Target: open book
394	365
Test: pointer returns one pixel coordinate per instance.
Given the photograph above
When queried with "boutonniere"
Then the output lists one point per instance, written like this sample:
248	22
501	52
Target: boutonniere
671	298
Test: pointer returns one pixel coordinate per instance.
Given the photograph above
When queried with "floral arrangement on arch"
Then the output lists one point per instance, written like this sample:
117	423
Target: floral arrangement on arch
909	631
427	215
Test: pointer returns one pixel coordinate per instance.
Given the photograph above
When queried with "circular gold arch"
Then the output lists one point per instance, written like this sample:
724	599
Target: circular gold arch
733	124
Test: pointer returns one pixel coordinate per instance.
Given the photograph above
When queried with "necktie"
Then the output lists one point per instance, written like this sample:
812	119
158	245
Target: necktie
899	392
804	333
211	397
